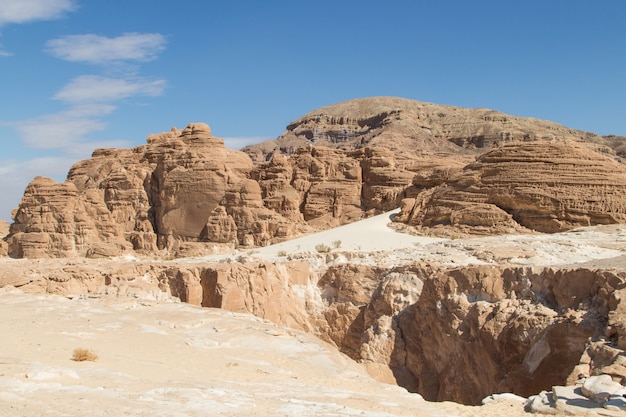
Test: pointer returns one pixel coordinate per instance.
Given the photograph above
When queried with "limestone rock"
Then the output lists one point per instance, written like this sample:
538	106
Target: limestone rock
455	334
600	388
542	186
55	220
254	288
184	189
252	222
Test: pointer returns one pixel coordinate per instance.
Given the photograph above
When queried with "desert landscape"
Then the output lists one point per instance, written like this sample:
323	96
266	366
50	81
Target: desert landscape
381	257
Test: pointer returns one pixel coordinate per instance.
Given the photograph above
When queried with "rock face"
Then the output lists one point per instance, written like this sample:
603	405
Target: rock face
542	186
462	334
183	192
410	128
4	230
186	194
146	198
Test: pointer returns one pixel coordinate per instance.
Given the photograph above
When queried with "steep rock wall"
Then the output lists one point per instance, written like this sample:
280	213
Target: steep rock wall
462	334
186	194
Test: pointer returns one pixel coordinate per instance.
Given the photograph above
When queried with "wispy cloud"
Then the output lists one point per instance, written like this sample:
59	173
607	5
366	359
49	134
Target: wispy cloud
95	49
62	131
24	11
95	89
91	97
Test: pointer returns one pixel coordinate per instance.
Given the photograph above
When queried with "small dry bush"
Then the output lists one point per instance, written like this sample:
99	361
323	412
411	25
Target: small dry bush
81	355
322	248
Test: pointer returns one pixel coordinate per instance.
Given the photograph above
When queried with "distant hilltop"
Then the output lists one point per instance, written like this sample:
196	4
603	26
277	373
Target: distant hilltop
412	128
450	169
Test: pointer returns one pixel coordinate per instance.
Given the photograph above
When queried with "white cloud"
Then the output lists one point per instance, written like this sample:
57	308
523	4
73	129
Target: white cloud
97	89
94	49
23	11
63	130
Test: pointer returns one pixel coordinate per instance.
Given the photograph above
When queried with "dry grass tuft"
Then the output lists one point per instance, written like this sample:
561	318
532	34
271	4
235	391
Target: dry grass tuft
81	355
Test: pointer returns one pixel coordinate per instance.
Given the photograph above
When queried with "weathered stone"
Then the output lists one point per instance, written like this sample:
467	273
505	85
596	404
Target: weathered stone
4	230
542	186
600	388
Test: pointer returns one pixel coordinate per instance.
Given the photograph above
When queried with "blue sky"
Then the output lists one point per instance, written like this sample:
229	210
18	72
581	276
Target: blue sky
83	74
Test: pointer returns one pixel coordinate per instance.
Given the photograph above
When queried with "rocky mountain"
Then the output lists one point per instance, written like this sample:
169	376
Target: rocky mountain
184	193
415	130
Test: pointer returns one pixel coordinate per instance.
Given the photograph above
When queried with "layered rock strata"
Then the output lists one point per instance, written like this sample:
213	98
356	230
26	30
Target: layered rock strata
419	133
541	186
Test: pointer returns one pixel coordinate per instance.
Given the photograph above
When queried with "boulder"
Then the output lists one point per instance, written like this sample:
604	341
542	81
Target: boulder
600	388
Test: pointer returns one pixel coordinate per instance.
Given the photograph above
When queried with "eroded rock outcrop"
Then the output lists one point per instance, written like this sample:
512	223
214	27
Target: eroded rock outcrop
413	129
143	199
541	186
184	193
4	230
462	334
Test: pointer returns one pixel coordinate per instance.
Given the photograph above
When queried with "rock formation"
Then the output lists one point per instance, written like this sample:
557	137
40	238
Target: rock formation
462	334
541	186
146	198
419	134
4	230
186	194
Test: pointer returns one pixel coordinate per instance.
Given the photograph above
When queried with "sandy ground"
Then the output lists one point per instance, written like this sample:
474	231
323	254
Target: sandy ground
162	358
371	241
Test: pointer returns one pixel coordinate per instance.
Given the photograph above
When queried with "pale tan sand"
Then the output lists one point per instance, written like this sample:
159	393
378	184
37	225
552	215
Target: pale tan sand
173	359
162	358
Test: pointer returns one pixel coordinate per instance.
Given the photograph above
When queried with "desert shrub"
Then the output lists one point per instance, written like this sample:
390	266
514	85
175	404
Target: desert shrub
282	253
337	244
81	355
322	248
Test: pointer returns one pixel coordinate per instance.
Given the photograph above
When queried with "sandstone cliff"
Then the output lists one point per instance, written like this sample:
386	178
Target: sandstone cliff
147	198
541	186
416	130
185	193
